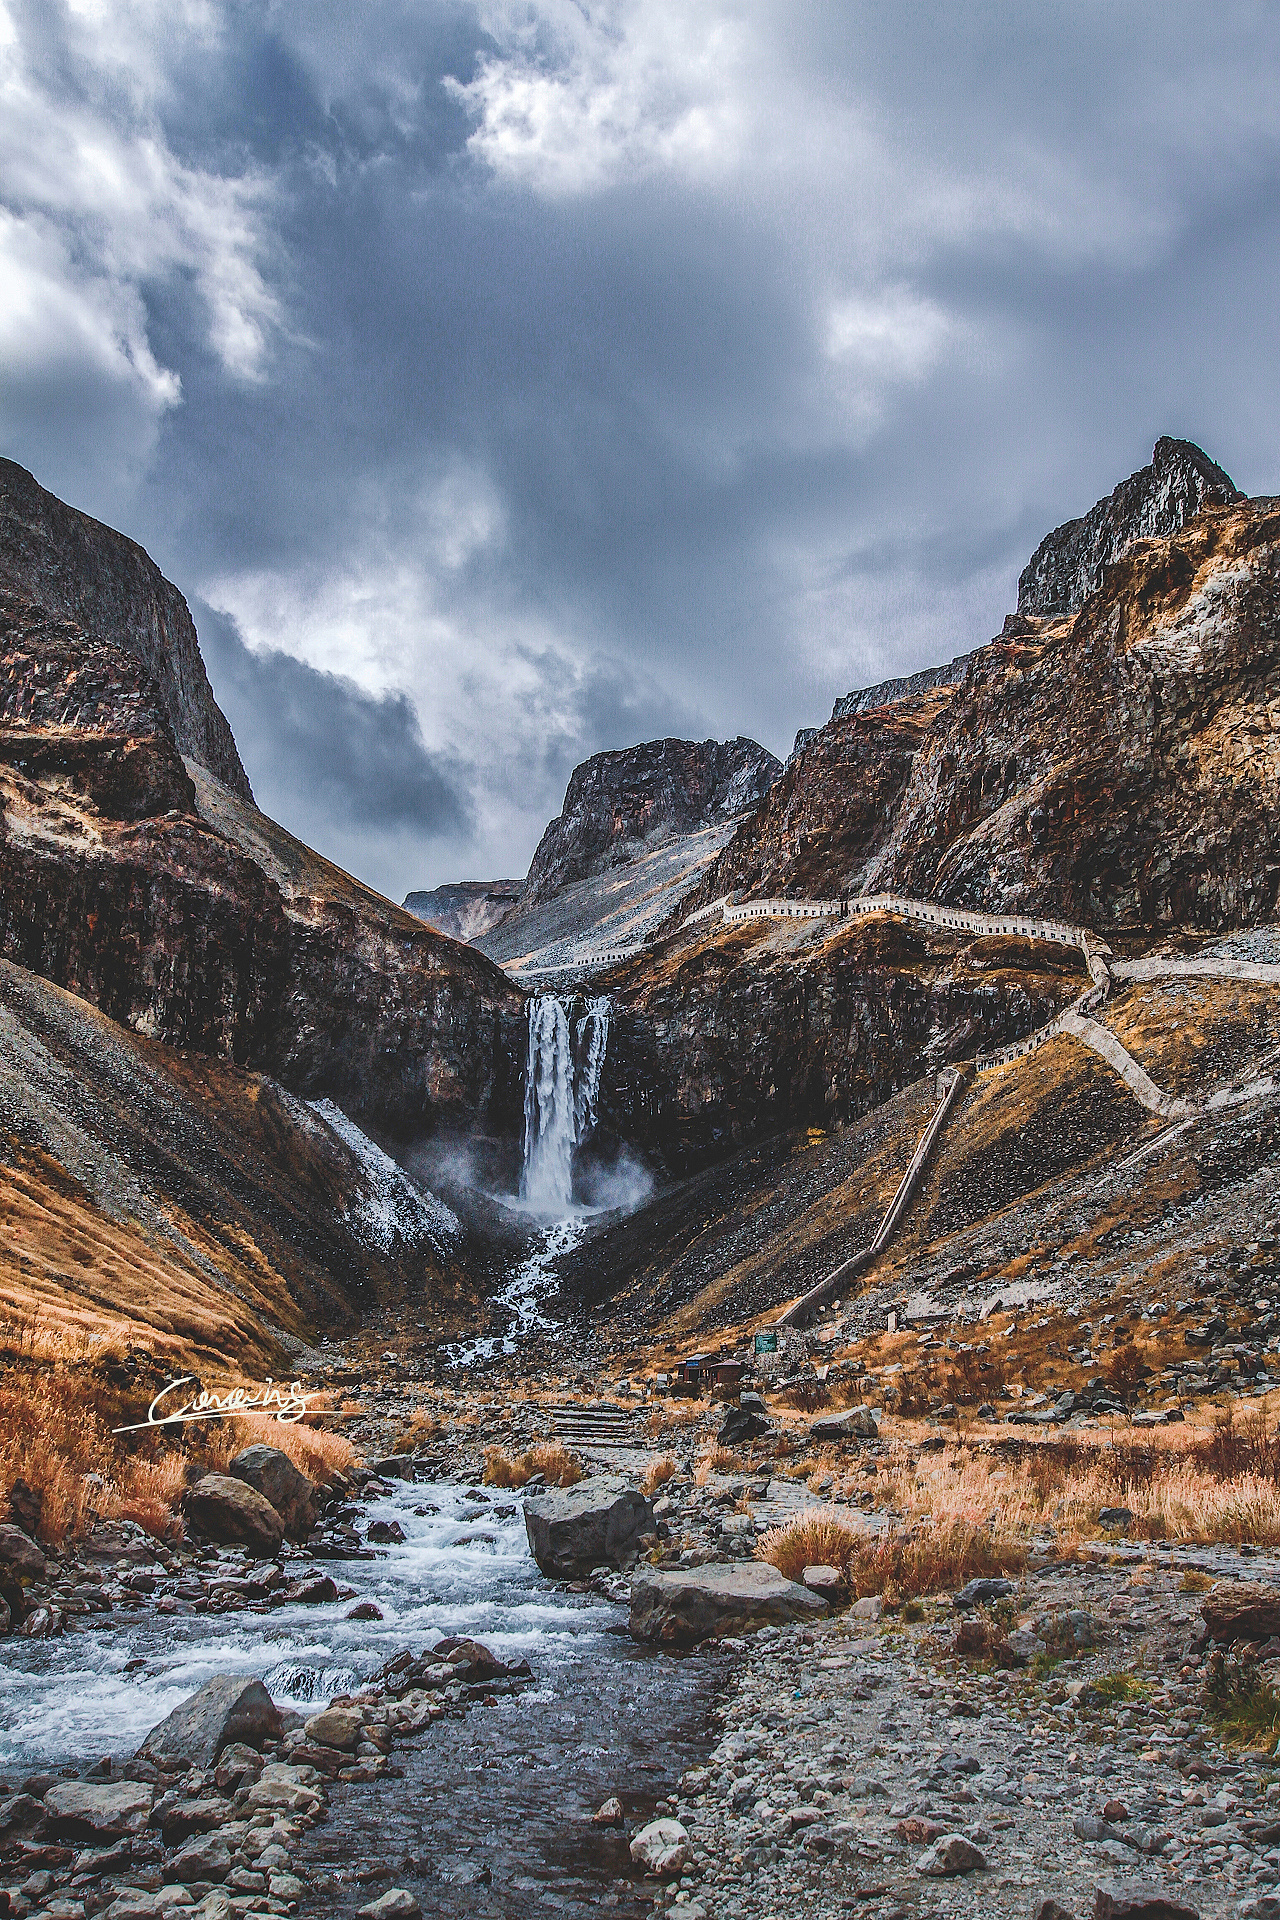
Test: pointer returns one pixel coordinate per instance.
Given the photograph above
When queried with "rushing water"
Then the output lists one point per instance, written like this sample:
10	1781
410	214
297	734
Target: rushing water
492	1814
562	1086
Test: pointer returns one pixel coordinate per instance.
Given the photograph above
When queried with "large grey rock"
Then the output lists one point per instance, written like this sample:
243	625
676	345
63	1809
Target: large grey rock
855	1423
662	1848
951	1854
687	1604
577	1528
1139	1900
273	1475
1241	1610
100	1807
397	1903
20	1557
206	1856
221	1508
226	1711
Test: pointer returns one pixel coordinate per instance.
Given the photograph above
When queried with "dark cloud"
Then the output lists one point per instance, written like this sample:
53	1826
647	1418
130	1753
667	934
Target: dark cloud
566	376
342	767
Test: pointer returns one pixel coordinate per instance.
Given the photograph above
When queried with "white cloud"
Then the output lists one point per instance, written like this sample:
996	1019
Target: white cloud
97	207
576	99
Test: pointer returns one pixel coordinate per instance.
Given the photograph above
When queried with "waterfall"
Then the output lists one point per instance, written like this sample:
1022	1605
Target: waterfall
561	1089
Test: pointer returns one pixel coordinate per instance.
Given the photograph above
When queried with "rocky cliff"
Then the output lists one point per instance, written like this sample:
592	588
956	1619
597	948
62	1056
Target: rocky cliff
617	803
1156	501
747	1030
78	570
159	893
1123	767
826	815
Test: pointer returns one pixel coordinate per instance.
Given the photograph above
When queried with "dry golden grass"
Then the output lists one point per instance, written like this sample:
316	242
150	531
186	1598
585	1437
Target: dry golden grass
899	1565
559	1467
1194	1485
715	1460
671	1416
318	1451
422	1429
658	1475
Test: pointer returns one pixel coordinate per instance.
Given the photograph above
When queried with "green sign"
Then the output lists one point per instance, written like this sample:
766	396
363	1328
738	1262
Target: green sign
766	1343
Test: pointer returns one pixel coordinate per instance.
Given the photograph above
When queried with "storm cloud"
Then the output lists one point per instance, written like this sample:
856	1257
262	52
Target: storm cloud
548	378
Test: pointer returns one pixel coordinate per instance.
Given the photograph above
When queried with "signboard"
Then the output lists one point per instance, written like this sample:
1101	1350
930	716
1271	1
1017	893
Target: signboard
766	1343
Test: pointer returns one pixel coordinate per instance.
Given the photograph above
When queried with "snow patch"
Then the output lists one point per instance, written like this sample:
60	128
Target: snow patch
393	1208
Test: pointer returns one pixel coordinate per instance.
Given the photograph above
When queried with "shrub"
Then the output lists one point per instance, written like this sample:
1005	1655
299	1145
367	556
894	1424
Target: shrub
658	1475
558	1466
1241	1704
716	1460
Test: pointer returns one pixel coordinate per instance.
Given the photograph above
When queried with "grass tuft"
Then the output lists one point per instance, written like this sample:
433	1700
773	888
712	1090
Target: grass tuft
658	1475
558	1466
904	1564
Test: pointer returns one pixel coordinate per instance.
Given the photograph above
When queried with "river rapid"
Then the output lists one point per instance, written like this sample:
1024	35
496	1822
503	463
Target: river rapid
492	1812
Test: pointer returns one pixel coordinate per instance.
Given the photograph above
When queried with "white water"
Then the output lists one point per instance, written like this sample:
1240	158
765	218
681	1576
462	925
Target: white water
562	1087
101	1688
524	1293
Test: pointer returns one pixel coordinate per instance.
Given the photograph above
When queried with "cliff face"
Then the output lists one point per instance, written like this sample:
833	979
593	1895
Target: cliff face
78	570
1151	504
751	1029
830	811
616	802
160	894
1121	768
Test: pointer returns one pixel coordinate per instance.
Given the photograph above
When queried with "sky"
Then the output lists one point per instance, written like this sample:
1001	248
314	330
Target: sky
506	382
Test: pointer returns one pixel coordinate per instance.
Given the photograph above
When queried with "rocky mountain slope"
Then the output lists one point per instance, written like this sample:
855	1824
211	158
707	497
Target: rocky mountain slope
79	571
617	803
178	1202
464	909
1151	504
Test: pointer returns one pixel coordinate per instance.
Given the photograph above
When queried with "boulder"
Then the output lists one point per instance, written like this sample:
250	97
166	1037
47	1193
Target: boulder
397	1903
979	1593
1241	1611
742	1424
227	1710
949	1855
574	1529
608	1814
1138	1900
205	1857
855	1423
20	1557
698	1603
1053	1910
662	1848
99	1807
828	1581
272	1474
1018	1648
336	1727
229	1511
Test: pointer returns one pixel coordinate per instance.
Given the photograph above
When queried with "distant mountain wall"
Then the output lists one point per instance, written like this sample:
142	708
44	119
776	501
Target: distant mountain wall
464	909
617	803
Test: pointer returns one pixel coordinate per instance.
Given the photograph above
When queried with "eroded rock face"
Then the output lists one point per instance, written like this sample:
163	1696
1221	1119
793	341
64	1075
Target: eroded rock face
226	1711
680	1607
1121	769
1156	501
80	571
598	1522
616	801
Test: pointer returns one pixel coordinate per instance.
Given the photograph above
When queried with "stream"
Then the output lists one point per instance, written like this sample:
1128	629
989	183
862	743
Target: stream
492	1814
